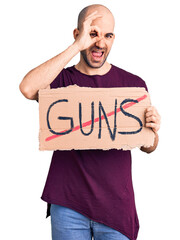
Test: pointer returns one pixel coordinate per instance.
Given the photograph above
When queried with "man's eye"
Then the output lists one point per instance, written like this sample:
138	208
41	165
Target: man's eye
93	34
109	36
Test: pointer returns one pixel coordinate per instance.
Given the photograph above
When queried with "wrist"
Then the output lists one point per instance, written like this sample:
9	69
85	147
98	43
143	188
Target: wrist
75	47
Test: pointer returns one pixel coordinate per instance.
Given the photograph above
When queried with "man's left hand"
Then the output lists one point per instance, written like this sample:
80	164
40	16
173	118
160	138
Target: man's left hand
153	118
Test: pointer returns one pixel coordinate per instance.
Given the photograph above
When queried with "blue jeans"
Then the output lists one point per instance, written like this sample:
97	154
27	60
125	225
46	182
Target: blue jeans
68	224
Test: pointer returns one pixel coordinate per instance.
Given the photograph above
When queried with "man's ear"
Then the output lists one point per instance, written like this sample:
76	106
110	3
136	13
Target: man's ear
75	33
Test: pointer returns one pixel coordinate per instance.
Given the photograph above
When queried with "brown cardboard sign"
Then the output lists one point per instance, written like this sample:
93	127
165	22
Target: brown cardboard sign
93	118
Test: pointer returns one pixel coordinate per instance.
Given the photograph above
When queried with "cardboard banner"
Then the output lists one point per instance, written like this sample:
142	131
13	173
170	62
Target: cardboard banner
93	118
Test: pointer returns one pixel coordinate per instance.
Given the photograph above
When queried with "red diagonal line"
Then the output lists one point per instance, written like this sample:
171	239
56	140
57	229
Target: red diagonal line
85	124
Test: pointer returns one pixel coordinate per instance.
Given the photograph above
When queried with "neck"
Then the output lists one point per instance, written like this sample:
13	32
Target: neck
84	68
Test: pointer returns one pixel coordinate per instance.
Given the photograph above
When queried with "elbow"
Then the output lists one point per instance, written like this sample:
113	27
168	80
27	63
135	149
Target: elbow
26	91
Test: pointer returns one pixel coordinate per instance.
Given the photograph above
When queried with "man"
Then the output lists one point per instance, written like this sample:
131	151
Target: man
90	192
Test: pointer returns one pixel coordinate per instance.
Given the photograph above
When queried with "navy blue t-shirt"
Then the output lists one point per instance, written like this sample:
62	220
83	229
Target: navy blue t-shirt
96	183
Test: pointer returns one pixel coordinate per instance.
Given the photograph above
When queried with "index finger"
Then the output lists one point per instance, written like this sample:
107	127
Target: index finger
93	16
151	108
93	13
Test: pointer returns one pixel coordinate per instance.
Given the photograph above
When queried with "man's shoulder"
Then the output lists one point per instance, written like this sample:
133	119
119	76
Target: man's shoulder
125	72
69	69
130	79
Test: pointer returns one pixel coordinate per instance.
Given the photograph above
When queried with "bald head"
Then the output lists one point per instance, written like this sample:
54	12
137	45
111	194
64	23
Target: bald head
94	7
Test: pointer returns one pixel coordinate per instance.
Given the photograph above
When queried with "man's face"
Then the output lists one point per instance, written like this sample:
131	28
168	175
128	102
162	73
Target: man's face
96	55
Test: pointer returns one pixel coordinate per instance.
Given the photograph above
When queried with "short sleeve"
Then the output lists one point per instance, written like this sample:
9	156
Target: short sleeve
56	82
142	83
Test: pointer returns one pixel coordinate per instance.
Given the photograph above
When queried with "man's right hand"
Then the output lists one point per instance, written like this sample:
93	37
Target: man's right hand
42	76
88	34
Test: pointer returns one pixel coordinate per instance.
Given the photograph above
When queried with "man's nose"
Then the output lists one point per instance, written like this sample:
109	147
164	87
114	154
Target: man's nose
100	43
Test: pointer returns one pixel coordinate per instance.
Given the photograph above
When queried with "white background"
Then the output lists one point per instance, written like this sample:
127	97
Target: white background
146	44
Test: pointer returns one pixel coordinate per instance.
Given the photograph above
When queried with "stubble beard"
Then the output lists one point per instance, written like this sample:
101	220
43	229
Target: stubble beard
84	55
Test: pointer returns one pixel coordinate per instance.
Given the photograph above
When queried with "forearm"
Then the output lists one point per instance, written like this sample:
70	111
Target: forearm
41	76
152	148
